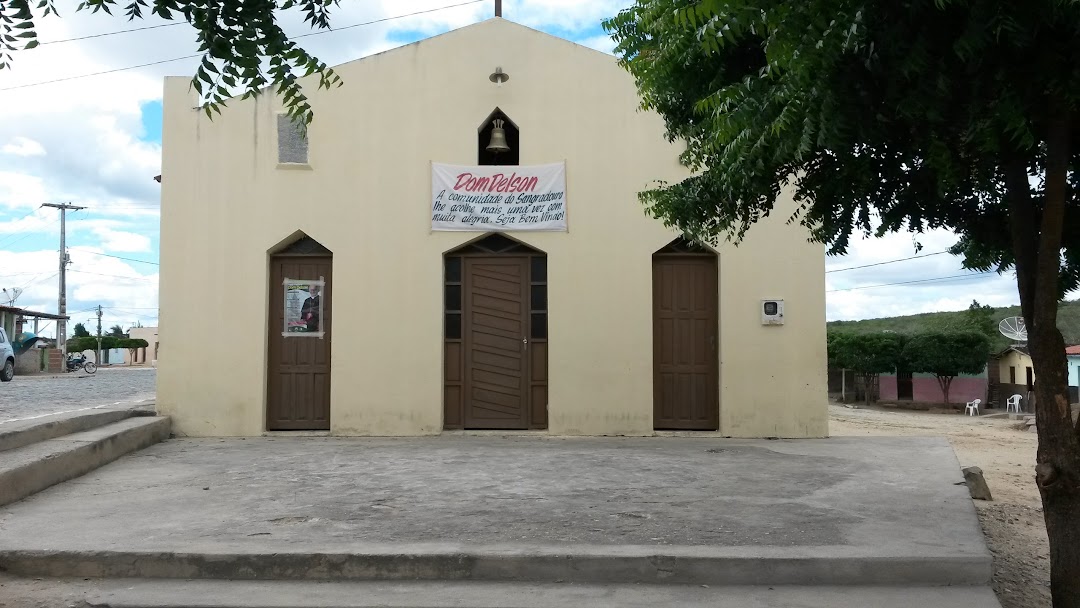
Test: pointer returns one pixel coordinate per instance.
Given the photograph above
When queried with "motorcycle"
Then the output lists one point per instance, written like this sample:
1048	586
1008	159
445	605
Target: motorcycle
74	362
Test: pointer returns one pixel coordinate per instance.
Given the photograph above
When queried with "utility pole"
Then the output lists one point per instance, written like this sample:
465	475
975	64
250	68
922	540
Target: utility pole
97	355
498	8
61	305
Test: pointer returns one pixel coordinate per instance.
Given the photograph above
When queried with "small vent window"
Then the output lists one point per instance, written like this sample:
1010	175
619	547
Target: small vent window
292	143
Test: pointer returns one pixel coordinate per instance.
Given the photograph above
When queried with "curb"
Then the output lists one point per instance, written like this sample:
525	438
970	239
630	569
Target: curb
589	564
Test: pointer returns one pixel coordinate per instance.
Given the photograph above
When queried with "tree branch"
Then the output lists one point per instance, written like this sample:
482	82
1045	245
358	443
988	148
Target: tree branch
1022	227
1053	216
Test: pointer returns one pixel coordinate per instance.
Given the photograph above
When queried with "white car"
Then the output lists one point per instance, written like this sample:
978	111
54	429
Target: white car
7	358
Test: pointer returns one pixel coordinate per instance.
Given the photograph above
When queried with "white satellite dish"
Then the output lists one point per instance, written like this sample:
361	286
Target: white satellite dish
1013	328
10	295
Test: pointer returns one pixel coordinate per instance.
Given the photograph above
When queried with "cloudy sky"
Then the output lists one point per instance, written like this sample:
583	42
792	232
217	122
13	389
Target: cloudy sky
95	142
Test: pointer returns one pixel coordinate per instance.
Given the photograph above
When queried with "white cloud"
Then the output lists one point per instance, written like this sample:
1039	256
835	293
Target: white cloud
119	240
23	146
604	44
19	189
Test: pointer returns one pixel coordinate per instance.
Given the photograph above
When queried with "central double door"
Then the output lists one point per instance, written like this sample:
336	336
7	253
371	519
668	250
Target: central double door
497	370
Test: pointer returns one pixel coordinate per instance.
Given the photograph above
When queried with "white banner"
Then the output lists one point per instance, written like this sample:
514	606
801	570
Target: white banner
502	198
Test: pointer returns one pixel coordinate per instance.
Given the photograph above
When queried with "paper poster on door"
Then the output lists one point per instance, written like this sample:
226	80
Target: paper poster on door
303	308
502	198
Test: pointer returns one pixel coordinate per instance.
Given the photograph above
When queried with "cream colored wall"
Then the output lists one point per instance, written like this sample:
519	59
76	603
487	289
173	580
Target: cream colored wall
150	334
225	204
1020	361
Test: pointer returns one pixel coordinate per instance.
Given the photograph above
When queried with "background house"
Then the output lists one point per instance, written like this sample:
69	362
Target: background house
16	323
1072	353
147	355
1016	376
925	388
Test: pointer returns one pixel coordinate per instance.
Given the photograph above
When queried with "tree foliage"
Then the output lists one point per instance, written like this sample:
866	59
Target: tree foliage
244	47
978	317
882	115
117	332
947	355
81	343
866	354
85	343
879	116
80	331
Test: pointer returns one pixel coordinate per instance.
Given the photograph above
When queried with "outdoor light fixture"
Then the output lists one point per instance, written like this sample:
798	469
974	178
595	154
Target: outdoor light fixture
499	77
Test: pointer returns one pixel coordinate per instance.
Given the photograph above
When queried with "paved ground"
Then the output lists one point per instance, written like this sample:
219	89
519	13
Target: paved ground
29	396
1005	450
853	497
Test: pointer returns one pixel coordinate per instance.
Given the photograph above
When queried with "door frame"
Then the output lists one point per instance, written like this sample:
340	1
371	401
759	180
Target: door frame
535	362
907	379
273	328
685	251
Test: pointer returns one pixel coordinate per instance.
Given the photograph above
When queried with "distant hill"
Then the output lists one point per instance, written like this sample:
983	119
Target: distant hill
1068	323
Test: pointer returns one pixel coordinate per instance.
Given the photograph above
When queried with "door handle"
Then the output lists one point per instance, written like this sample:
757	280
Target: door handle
525	341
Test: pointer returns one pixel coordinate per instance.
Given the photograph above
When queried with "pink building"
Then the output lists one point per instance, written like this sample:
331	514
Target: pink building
924	388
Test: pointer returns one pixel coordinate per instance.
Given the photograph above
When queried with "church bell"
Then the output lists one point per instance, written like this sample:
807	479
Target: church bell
498	143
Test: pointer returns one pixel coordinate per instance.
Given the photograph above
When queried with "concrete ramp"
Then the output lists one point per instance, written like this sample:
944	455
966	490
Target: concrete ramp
534	517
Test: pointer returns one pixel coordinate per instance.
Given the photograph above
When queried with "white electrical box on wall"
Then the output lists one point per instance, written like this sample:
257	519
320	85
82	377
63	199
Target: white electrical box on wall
772	312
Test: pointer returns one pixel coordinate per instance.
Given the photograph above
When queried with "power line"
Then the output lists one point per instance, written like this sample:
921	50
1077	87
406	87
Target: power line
140	315
430	10
7	243
39	230
115	276
958	276
129	206
32	212
87	310
152	63
134	29
35	280
119	257
113	71
914	257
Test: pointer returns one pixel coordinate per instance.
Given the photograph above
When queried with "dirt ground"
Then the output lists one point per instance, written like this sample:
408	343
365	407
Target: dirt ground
1013	521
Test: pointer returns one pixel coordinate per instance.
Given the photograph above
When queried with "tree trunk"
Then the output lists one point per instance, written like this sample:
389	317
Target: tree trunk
1036	249
945	382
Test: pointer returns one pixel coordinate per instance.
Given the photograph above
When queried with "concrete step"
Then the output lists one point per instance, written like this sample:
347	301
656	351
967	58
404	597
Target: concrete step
151	593
19	433
580	564
31	468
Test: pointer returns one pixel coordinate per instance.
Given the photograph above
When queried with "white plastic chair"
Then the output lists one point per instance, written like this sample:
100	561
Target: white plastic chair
1013	403
972	408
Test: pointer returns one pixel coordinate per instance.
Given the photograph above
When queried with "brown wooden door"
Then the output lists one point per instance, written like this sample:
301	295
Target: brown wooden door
495	340
685	361
905	386
298	385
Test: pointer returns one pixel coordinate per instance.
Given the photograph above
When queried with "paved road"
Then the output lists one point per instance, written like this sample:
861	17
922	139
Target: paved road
29	396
